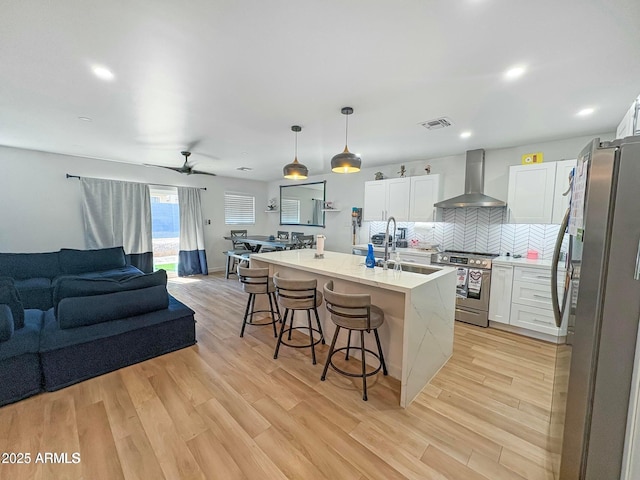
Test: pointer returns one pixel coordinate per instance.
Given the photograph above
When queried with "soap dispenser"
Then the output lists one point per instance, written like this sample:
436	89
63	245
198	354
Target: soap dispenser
370	261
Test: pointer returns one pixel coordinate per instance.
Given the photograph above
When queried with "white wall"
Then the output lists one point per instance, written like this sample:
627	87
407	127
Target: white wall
348	190
40	209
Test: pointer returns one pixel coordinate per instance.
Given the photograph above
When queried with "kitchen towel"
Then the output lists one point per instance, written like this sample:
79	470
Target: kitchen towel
461	282
474	283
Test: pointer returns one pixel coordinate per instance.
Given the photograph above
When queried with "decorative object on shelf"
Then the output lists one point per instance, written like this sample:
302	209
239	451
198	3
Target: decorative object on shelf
346	162
328	206
272	204
403	171
295	170
428	169
378	176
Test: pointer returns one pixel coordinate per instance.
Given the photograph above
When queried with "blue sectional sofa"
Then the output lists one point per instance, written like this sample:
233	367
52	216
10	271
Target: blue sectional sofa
82	314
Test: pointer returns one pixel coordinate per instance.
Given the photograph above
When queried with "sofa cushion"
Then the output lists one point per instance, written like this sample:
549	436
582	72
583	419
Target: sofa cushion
115	273
35	292
26	339
29	265
6	322
82	286
88	310
83	261
9	295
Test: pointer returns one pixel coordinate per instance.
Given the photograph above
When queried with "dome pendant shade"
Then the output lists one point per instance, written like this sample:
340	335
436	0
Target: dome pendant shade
295	170
346	162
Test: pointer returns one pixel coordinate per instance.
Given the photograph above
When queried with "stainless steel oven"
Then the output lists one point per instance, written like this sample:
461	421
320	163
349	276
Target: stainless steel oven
473	284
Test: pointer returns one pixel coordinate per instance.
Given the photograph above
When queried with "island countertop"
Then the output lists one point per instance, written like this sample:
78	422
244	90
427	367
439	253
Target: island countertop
351	268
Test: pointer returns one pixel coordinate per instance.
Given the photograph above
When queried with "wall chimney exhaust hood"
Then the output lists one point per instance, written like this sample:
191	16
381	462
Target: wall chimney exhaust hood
473	186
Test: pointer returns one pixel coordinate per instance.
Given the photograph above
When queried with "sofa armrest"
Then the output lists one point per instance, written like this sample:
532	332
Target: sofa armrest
6	323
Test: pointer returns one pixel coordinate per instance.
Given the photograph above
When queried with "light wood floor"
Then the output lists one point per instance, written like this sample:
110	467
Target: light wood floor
225	409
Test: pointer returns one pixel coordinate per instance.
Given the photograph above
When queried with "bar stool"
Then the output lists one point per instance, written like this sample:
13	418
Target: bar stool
353	312
256	281
298	295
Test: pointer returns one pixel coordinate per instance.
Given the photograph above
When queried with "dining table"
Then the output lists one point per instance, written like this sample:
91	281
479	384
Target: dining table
254	243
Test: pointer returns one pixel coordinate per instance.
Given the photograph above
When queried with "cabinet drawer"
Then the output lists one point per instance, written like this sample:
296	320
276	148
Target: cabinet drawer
535	275
532	318
419	259
533	294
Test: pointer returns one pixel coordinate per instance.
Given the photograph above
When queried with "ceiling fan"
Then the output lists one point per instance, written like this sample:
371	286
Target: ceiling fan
185	168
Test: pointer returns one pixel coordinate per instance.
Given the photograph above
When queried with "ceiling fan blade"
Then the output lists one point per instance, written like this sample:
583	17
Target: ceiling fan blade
193	144
175	169
197	172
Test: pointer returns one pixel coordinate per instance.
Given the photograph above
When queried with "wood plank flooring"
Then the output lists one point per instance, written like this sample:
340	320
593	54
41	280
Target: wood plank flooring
225	409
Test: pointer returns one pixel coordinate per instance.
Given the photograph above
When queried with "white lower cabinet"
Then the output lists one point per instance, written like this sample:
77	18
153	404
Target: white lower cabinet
521	297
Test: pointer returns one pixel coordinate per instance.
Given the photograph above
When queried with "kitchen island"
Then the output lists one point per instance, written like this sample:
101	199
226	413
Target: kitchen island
417	336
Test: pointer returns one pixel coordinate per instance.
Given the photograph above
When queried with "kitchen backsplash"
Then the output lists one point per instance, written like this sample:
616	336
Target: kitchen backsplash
481	230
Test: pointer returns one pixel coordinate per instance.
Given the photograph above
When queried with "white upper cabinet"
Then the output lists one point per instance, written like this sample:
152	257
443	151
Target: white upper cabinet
425	191
535	192
386	198
560	201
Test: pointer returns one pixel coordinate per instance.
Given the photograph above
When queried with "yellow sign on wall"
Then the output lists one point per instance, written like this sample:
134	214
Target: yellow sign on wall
531	158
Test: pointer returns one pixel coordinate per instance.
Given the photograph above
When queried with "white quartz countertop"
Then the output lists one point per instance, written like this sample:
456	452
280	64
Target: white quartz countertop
523	261
351	268
409	251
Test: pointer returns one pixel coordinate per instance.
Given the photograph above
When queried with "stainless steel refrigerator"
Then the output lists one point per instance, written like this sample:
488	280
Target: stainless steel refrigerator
600	300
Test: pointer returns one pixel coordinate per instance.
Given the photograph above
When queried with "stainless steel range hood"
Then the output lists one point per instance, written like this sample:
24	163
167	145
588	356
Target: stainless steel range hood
473	186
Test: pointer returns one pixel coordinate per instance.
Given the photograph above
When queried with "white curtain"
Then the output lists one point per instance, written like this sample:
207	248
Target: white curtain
119	214
192	258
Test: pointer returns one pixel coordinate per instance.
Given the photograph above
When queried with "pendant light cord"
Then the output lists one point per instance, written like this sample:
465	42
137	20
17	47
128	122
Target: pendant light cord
346	132
296	145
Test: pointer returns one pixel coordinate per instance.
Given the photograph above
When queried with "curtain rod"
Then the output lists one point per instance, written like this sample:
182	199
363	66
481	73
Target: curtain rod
156	184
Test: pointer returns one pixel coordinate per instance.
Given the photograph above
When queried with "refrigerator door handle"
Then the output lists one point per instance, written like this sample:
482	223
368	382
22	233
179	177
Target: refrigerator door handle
636	275
558	310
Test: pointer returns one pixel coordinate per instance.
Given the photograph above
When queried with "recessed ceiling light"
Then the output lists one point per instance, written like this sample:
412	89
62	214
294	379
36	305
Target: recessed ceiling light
103	73
466	134
585	111
244	169
85	119
515	72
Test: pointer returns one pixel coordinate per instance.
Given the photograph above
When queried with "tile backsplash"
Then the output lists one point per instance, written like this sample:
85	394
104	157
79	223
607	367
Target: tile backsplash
481	230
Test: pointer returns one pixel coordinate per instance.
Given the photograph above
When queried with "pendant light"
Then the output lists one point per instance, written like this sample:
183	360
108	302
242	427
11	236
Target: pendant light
295	170
346	162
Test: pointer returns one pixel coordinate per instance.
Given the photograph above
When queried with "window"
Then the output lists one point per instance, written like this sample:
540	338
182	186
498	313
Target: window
239	209
290	210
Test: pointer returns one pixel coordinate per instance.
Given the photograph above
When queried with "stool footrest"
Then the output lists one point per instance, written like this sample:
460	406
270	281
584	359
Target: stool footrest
359	374
306	345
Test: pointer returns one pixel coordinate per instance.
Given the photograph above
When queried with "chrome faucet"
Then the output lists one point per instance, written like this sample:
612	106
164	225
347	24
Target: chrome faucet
385	264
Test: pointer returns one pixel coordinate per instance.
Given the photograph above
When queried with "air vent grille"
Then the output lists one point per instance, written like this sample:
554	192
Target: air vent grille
437	123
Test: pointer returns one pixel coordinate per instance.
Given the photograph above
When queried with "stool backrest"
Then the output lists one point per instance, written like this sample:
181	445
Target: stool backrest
254	280
296	294
348	308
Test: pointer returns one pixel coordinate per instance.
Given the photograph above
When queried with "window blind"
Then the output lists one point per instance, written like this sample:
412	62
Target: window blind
239	209
290	210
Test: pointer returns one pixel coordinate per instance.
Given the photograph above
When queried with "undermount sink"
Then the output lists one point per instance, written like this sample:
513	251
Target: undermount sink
410	267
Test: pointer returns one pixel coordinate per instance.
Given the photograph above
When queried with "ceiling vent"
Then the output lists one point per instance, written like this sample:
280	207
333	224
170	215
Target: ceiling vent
437	123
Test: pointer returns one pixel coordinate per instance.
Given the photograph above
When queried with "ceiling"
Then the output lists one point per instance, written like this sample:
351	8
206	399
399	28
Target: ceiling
228	78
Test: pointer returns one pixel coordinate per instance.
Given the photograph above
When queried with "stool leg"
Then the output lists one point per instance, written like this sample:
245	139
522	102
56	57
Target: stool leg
226	270
284	322
275	301
246	313
313	347
273	316
364	367
253	307
333	344
384	365
315	310
293	312
346	356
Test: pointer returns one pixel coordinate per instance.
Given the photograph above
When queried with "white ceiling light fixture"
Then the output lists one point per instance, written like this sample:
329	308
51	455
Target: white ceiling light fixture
346	162
295	170
515	72
585	112
103	73
465	134
85	119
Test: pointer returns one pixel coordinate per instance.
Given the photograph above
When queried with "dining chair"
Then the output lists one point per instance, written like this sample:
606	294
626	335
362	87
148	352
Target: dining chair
282	235
296	234
238	245
304	241
238	254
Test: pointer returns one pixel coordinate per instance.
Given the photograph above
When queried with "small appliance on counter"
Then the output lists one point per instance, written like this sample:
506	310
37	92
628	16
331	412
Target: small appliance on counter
401	238
378	239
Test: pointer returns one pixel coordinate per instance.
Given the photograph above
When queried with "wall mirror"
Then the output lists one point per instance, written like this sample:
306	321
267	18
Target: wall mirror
302	204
